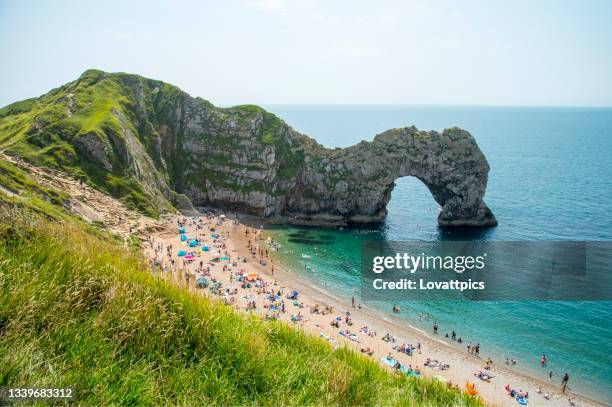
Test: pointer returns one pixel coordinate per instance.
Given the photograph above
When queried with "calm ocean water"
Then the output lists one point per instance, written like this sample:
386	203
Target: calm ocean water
550	179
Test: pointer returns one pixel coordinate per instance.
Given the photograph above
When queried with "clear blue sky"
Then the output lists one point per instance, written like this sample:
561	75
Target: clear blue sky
526	52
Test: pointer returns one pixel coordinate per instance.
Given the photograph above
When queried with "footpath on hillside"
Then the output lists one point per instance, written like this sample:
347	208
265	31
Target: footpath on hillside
92	205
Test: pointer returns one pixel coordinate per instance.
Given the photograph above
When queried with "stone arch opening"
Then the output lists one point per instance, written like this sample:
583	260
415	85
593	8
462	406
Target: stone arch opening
411	205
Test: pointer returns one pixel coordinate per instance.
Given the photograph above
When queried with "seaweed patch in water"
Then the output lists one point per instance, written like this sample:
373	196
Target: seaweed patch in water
309	241
326	237
300	234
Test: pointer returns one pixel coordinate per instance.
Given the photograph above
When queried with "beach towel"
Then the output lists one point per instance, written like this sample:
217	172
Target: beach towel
404	369
388	361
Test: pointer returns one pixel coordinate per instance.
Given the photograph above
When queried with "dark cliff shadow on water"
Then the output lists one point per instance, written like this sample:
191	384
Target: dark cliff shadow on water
464	233
328	235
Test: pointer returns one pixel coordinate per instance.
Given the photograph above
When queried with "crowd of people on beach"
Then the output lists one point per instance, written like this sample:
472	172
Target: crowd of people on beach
208	264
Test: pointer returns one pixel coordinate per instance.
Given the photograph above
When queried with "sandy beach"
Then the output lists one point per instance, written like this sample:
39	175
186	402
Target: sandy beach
230	258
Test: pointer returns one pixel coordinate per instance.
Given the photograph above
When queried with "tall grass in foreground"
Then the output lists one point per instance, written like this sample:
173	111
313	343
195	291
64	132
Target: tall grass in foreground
76	310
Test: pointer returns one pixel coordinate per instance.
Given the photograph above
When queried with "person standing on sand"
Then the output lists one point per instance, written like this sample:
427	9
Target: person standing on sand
353	301
550	374
435	327
564	382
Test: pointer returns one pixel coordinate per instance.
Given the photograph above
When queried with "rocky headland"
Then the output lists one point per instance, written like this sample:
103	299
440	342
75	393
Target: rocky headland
156	148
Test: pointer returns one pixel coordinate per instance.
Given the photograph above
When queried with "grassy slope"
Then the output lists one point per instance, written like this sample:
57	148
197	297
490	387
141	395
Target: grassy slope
21	192
40	130
46	131
78	310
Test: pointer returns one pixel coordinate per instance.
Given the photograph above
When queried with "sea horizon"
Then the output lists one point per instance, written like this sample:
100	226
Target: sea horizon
271	105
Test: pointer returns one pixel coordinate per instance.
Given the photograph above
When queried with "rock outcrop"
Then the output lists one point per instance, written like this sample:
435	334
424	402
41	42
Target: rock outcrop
355	183
162	143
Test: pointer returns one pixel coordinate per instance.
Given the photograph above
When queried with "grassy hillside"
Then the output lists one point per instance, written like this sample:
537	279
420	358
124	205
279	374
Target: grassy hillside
127	135
21	192
87	129
146	143
78	310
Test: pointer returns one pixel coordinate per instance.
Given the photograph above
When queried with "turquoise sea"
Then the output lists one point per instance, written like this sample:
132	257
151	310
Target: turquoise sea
550	179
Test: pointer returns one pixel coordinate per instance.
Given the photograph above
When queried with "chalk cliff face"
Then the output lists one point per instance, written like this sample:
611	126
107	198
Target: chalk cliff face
154	146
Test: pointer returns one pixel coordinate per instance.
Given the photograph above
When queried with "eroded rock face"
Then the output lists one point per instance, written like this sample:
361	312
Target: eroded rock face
356	183
94	148
247	159
165	147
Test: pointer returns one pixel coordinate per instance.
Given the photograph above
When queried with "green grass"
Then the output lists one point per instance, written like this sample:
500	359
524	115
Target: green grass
17	181
45	131
22	193
78	310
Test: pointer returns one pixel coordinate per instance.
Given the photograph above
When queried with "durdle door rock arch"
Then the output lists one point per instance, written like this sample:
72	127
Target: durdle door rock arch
154	146
355	184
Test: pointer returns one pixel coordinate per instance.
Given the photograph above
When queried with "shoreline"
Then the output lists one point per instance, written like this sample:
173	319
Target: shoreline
396	324
462	365
400	325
